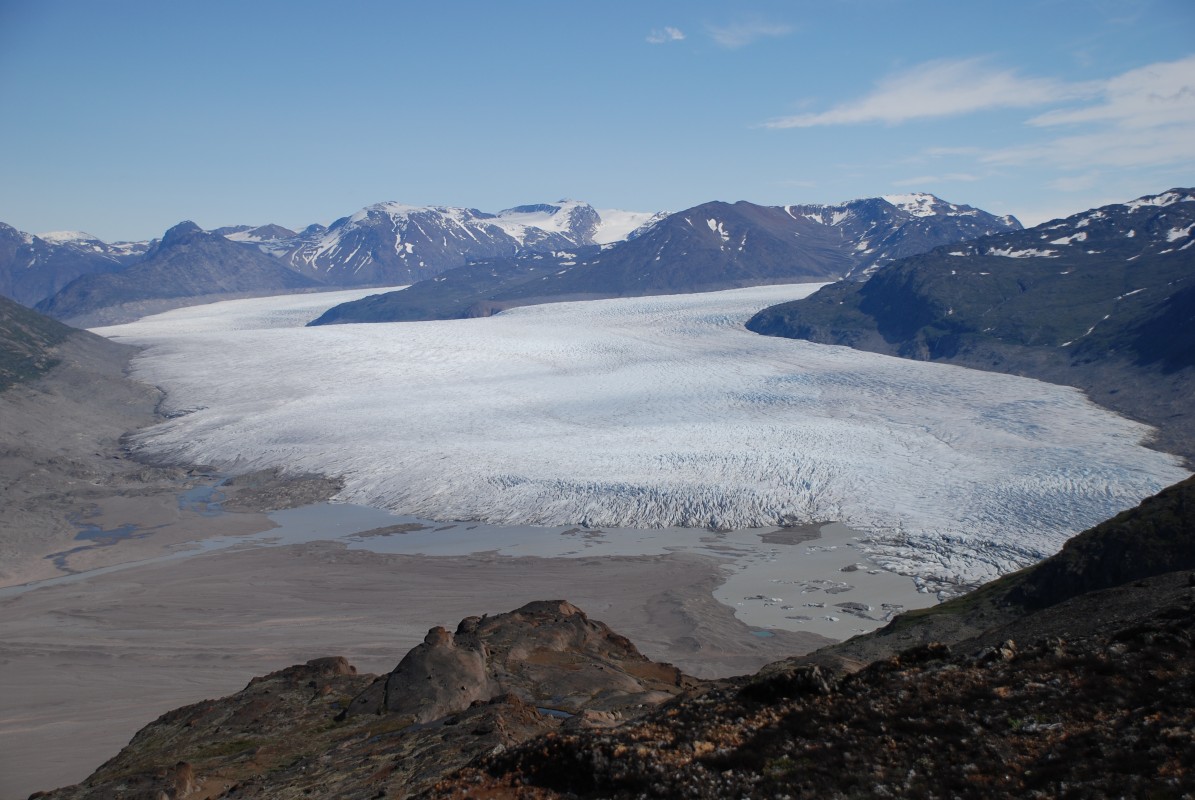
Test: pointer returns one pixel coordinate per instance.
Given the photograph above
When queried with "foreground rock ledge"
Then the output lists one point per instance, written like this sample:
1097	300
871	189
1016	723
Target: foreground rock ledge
321	730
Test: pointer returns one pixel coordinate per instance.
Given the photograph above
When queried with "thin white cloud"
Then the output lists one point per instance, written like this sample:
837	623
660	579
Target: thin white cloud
665	34
940	152
741	34
1075	183
1148	97
942	88
1114	148
1142	118
949	177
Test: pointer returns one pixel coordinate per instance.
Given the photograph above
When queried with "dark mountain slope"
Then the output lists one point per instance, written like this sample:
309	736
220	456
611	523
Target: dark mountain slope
1103	300
705	248
187	265
1084	693
460	293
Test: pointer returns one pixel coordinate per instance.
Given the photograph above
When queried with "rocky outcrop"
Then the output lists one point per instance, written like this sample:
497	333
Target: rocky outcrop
547	653
1104	714
437	678
320	729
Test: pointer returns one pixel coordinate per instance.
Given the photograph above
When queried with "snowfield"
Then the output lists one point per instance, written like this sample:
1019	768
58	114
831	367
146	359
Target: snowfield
646	412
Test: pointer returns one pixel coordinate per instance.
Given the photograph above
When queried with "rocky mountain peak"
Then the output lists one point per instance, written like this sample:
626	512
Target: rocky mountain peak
923	204
181	233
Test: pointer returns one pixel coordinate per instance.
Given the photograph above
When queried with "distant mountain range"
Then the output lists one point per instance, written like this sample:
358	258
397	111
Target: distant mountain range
187	264
76	277
35	267
711	246
391	243
1103	300
526	254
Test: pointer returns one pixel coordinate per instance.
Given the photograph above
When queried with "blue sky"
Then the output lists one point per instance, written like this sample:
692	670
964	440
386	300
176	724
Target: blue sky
123	117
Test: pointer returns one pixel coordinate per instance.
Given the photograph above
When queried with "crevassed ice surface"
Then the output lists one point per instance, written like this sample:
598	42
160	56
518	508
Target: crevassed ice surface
645	412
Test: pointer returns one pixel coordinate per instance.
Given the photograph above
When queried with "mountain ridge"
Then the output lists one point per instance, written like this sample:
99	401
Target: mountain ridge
392	243
384	244
34	267
712	246
187	262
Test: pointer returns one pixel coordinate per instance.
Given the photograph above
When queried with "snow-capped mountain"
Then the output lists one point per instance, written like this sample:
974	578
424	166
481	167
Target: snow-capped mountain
262	234
86	243
617	226
1152	225
711	246
392	243
534	253
382	244
33	267
891	227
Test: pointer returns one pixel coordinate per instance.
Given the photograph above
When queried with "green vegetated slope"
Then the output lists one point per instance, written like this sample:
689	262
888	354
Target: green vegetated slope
27	341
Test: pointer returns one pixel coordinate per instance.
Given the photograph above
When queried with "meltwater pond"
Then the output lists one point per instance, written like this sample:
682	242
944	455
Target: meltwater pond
820	581
773	578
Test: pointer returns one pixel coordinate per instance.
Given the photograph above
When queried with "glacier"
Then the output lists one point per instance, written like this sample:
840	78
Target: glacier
645	412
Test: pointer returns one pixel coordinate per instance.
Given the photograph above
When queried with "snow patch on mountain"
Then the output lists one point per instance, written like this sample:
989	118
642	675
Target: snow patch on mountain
1081	236
1029	252
918	204
563	217
717	227
647	412
67	237
617	225
822	215
1160	200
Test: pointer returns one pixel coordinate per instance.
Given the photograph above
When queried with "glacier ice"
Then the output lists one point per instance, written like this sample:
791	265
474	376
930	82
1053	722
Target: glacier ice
646	412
